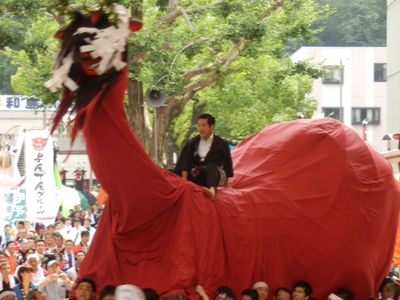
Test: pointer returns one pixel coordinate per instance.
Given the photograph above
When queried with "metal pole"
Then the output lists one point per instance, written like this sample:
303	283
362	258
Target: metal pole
155	134
341	104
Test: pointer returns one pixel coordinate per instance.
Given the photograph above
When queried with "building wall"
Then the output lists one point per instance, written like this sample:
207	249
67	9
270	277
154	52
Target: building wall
358	88
393	44
12	118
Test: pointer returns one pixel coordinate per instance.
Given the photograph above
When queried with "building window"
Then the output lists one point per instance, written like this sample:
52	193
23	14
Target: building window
371	114
332	112
380	72
334	75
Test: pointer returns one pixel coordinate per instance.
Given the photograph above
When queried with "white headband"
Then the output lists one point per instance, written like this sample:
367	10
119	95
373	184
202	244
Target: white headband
7	293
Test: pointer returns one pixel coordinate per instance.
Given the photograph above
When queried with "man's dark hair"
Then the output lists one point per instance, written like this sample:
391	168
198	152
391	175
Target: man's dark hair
210	119
85	233
39	241
151	294
281	289
88	280
107	290
304	285
344	294
69	241
253	294
51	226
226	290
21	223
32	294
57	235
9	242
385	281
394	288
48	257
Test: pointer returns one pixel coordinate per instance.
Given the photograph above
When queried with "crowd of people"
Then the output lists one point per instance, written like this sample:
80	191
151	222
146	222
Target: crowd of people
42	262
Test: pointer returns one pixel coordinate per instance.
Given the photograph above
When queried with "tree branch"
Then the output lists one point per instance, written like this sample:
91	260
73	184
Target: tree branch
172	5
272	8
194	72
172	16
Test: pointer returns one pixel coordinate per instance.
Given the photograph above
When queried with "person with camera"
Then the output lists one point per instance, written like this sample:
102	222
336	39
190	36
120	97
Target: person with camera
57	283
206	159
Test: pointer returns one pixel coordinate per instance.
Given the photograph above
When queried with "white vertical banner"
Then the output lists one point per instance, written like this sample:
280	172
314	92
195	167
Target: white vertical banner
41	199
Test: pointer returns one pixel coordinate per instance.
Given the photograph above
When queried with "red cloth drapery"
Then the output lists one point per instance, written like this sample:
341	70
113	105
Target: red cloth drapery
310	201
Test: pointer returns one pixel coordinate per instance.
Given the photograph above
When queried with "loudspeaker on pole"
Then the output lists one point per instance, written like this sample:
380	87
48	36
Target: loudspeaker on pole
155	98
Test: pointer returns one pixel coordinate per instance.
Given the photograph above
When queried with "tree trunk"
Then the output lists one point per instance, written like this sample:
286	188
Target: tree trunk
135	110
165	117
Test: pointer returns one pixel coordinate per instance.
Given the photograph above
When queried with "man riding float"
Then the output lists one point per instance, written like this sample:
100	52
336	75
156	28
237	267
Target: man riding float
206	159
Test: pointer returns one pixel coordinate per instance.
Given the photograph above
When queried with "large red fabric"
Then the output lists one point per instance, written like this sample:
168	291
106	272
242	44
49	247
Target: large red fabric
310	201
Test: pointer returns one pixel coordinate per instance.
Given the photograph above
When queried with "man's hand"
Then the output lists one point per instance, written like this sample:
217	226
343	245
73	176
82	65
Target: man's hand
199	290
53	277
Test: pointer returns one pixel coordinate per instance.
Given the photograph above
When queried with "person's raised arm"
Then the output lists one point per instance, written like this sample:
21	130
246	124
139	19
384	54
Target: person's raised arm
201	292
184	175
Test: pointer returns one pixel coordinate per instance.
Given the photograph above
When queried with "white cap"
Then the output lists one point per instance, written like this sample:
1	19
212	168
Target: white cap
260	284
129	292
334	297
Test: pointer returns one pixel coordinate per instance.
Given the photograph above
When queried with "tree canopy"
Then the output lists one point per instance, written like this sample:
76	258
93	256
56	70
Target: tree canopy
354	23
226	57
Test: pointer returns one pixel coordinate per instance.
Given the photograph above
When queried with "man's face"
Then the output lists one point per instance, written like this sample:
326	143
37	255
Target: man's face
245	297
24	246
79	257
53	269
204	129
40	247
22	233
33	262
49	240
58	241
40	295
31	243
85	239
299	294
77	224
69	246
68	222
386	292
282	295
6	269
87	223
11	247
9	297
84	291
262	292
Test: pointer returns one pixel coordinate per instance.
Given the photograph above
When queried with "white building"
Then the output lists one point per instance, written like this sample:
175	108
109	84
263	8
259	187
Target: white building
393	70
355	90
17	112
